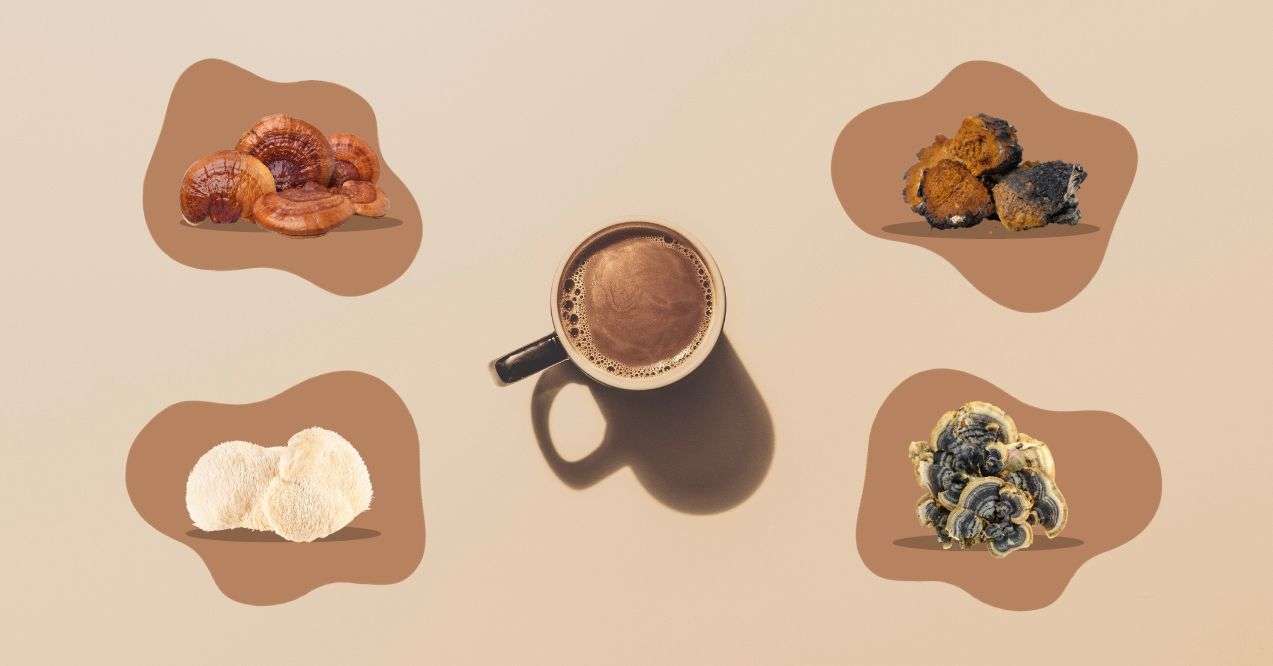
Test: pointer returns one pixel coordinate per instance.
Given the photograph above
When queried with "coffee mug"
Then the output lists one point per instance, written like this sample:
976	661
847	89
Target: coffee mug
636	305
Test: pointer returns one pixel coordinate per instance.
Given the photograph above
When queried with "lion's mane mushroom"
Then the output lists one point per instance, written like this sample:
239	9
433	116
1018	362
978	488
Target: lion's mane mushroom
302	211
368	199
223	186
354	159
225	486
321	486
295	151
985	481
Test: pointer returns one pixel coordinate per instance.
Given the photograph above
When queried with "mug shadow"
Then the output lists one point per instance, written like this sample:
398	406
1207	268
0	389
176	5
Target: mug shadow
242	534
701	445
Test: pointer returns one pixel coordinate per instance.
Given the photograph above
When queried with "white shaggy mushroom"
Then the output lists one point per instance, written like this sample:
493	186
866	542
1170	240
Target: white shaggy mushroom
226	484
321	486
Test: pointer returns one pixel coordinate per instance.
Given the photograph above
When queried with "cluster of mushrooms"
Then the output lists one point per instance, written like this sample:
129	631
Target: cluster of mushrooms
986	482
308	489
979	175
289	177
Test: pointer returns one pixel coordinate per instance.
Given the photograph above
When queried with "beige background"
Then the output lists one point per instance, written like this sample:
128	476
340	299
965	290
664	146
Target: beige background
520	127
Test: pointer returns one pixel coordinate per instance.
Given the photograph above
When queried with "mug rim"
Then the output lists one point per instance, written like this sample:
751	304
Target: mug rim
715	326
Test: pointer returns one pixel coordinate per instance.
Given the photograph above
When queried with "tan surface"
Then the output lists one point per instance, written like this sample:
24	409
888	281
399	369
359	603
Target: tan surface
519	129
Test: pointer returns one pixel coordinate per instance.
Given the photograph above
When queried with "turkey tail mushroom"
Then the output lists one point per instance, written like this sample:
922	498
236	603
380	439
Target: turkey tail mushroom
1007	538
1050	509
986	481
1029	453
964	526
354	159
984	423
295	151
931	514
302	211
1002	509
223	186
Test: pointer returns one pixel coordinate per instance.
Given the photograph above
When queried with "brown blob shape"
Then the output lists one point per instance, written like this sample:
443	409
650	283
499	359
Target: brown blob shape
382	545
877	147
212	104
1108	472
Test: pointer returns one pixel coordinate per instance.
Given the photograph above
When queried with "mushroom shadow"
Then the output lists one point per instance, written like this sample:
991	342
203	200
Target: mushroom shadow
360	223
701	445
244	535
355	223
988	231
929	542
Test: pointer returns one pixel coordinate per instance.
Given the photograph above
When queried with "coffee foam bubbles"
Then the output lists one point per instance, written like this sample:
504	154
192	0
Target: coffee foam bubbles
573	297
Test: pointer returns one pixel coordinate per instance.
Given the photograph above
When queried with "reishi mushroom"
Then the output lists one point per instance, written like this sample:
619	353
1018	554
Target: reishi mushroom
354	159
985	481
223	186
302	211
295	151
368	199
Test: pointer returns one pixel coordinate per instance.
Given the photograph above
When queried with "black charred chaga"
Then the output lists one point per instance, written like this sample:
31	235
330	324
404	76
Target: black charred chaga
986	482
978	174
1039	194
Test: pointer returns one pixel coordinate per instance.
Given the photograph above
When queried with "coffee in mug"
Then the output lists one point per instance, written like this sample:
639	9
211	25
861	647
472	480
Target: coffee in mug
635	305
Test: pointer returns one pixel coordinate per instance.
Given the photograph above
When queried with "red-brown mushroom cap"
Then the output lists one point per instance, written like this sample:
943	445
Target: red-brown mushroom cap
368	200
295	151
354	159
302	211
223	186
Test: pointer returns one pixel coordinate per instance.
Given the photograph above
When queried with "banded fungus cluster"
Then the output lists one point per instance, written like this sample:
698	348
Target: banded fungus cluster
986	482
288	177
978	175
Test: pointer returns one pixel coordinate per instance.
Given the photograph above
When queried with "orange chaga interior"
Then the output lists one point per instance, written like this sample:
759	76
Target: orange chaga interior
954	193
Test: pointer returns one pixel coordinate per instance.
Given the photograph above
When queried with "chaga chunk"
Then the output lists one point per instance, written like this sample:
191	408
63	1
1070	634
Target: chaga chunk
1039	194
949	184
986	145
952	197
915	175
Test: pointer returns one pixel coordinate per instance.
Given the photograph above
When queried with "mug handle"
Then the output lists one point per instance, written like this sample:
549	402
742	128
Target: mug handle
528	360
